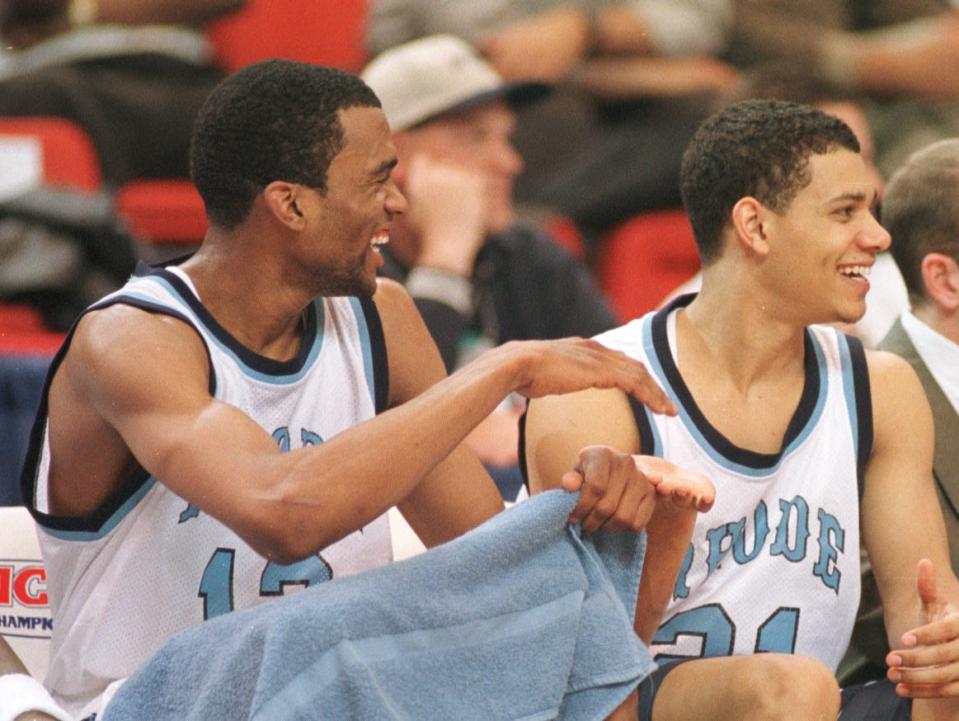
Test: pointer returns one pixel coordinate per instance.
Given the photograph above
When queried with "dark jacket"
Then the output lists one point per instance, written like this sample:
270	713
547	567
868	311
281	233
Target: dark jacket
527	287
868	648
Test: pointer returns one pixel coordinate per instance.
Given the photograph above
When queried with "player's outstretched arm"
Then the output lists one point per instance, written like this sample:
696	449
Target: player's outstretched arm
681	494
905	536
290	505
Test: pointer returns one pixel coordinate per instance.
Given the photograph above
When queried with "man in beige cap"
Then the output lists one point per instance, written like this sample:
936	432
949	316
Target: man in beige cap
479	277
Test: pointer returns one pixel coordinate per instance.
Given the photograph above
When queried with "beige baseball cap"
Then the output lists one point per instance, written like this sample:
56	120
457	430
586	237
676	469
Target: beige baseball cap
436	75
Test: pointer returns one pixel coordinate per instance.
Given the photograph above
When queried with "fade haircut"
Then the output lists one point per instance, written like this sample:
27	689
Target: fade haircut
920	209
273	120
756	148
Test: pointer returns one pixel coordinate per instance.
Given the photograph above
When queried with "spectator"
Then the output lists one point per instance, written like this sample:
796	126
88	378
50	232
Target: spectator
478	276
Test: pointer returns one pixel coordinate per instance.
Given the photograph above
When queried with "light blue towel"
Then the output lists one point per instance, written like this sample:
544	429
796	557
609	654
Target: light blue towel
518	619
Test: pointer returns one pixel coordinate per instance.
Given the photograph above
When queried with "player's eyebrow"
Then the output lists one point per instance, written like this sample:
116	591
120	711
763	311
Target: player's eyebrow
384	168
855	197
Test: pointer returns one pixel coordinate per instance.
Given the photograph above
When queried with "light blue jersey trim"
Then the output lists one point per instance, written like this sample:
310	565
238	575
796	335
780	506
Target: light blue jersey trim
364	333
112	522
300	692
210	335
701	441
849	389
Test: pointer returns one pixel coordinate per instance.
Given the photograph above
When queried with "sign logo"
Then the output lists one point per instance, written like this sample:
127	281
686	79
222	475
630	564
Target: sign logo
24	605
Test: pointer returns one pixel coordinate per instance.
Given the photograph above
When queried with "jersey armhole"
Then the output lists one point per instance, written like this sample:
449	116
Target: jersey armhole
649	444
862	402
381	366
138	478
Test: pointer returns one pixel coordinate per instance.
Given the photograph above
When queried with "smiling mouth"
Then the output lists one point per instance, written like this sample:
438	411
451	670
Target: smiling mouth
379	239
856	272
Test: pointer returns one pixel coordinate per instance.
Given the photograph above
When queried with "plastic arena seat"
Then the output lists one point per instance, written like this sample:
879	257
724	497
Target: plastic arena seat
22	332
326	33
644	259
162	212
67	159
68	156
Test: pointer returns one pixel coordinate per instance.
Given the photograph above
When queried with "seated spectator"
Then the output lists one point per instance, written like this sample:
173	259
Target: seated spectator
135	86
479	277
921	212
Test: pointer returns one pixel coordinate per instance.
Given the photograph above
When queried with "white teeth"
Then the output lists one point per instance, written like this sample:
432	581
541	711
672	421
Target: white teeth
862	271
380	239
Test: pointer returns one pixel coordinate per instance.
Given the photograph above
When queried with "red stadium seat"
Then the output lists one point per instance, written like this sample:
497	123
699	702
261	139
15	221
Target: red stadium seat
69	158
22	332
565	232
644	259
327	32
162	211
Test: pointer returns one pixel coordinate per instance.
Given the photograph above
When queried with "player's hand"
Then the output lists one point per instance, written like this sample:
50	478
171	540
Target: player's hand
448	209
681	487
575	364
614	495
927	665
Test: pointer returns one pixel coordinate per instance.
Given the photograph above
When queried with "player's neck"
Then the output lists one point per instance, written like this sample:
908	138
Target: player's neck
745	341
252	300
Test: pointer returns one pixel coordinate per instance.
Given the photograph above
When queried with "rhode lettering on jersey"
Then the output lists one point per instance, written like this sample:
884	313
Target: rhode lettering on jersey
790	542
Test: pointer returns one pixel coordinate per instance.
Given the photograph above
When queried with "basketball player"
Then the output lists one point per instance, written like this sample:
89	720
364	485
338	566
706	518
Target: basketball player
207	434
808	439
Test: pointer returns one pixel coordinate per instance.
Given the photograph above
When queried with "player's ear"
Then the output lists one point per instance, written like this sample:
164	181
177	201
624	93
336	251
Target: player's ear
940	276
281	200
748	216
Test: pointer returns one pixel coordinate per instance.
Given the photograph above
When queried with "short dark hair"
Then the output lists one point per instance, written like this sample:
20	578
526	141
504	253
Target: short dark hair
757	148
920	209
273	120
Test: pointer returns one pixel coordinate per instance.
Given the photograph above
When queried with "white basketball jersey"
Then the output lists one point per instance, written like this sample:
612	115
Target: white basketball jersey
148	564
774	566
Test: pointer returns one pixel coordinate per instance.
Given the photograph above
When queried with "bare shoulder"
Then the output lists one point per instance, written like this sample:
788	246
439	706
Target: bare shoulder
122	344
584	410
891	379
122	361
393	303
414	360
899	404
